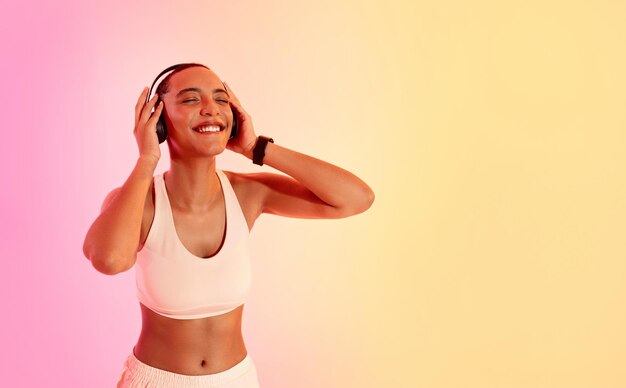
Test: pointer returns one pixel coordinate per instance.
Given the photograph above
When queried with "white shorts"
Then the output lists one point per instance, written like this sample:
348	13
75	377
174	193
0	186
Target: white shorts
136	374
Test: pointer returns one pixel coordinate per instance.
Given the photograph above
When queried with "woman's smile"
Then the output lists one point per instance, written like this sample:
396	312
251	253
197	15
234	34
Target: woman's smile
210	129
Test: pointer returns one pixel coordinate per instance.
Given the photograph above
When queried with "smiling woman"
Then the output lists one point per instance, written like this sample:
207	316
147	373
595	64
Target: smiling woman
186	230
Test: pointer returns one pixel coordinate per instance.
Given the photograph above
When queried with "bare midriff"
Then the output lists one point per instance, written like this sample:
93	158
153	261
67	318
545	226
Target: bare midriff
193	347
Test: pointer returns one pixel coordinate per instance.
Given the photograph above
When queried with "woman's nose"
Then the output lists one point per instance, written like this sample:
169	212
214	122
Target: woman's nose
209	107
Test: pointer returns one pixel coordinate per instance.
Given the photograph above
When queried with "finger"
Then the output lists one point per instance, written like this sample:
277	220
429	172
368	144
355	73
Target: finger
230	91
147	109
140	103
155	116
234	108
237	108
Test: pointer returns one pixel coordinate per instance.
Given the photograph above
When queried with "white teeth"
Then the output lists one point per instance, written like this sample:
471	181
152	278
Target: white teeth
210	128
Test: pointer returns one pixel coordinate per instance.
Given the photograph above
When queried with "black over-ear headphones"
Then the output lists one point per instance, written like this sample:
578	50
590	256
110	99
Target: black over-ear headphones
161	128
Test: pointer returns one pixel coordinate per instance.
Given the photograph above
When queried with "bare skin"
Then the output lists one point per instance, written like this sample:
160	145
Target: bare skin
195	346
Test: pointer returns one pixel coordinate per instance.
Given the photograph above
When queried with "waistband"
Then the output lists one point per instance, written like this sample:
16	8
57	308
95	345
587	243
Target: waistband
176	379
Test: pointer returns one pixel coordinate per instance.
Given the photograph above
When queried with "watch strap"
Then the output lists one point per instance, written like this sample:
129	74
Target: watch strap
258	153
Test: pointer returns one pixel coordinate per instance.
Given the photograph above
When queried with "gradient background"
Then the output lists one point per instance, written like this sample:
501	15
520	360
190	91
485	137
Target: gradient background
492	134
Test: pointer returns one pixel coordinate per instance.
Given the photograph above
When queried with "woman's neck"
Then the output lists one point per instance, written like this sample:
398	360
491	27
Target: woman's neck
192	184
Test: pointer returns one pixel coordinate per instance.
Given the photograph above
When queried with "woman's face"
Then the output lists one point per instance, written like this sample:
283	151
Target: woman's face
195	102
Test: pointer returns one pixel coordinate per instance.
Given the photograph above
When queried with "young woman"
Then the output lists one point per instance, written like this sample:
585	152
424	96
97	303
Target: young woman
186	230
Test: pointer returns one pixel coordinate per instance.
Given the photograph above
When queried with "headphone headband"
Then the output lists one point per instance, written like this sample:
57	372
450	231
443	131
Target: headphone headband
173	67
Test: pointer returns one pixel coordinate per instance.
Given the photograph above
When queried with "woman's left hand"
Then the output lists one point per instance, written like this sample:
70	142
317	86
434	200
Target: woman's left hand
245	139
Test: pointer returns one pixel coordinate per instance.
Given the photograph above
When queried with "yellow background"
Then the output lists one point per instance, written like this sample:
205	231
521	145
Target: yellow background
494	253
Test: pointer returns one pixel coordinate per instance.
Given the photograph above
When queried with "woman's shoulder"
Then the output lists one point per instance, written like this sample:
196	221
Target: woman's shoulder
248	181
240	181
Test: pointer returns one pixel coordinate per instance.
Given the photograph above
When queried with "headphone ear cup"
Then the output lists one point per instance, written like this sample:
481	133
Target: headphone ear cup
161	129
234	130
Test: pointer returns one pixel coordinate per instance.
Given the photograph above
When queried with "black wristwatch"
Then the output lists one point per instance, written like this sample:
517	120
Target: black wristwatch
259	149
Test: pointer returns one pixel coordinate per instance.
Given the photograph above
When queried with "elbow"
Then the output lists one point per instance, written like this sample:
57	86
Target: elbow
368	200
107	265
361	204
110	267
104	267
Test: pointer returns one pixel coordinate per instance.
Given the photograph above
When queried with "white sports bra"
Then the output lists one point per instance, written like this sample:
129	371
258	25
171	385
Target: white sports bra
173	282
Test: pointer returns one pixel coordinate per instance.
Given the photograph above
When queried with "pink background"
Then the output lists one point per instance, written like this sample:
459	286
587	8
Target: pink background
491	132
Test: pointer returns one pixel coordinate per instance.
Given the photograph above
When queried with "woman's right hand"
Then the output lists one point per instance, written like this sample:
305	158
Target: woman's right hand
145	126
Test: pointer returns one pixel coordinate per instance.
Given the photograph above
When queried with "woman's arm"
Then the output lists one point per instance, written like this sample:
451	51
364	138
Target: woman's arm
317	189
113	239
